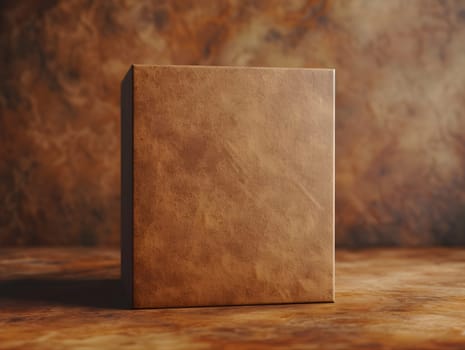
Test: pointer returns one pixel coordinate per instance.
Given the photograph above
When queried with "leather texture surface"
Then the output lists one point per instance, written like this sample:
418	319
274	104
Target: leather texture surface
233	185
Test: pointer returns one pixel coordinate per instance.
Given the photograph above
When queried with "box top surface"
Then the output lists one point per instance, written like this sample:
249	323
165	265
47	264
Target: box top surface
142	66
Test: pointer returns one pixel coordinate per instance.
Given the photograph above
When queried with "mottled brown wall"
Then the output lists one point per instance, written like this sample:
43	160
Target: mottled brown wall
400	105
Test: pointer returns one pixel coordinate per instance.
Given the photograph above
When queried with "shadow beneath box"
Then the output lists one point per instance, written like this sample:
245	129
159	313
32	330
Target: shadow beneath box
98	293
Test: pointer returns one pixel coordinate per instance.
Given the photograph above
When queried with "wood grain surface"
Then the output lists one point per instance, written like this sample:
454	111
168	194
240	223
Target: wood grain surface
391	298
233	180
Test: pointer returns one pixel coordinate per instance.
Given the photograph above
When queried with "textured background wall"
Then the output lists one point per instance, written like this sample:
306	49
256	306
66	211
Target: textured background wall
400	105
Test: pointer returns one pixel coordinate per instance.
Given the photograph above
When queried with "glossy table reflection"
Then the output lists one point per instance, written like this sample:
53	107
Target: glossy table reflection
53	298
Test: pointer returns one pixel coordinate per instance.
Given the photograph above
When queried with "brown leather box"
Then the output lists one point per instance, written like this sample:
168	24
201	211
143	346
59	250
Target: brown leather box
227	185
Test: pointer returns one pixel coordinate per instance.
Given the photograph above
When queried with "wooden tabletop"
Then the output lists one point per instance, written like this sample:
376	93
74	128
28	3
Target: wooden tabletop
54	298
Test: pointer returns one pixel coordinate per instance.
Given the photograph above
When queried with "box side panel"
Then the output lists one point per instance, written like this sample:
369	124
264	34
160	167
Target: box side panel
333	179
127	185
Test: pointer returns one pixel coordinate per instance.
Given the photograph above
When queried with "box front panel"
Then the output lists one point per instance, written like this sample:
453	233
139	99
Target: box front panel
233	186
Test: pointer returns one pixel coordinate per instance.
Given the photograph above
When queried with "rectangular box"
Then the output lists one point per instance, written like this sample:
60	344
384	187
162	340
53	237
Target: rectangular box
227	185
